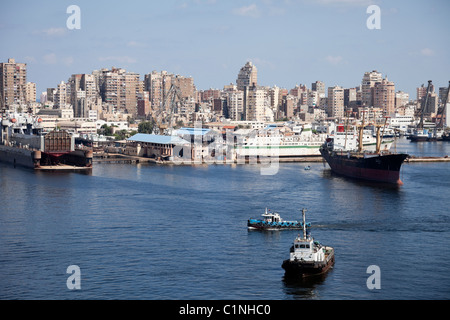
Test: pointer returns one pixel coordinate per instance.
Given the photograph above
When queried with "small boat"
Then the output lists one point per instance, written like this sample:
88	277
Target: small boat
307	168
273	221
308	257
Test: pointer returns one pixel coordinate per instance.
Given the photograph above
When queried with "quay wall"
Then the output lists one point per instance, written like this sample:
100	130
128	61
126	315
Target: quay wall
121	158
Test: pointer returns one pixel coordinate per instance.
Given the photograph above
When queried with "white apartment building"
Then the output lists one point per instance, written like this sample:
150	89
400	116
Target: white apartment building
368	83
256	104
336	102
235	103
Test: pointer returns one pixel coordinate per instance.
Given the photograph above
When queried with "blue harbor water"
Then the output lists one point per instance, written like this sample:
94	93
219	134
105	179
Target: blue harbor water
179	232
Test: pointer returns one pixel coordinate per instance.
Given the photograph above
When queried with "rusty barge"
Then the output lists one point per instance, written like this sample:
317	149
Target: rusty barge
24	144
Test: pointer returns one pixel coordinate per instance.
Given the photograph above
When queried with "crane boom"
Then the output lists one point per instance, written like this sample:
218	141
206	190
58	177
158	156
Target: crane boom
441	112
163	116
424	105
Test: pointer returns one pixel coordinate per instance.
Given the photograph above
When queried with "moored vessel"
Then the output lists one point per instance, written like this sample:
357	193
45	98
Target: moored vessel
307	256
23	143
271	142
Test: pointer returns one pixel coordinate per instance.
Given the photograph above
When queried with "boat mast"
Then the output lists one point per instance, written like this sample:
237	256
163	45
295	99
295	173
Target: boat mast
361	130
346	128
379	138
304	223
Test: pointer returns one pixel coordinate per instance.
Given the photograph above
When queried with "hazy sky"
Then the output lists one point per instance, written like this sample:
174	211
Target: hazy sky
290	41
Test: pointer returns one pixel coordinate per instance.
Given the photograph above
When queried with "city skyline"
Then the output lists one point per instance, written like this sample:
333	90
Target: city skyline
290	42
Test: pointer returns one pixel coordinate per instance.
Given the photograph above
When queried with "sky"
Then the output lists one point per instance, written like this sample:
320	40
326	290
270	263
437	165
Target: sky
291	42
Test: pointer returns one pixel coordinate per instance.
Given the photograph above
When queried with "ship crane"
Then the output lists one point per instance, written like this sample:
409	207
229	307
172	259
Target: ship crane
380	137
424	105
441	112
360	132
164	115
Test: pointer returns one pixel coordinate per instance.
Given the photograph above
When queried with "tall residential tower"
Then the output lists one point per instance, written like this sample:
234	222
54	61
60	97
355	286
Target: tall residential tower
13	80
247	77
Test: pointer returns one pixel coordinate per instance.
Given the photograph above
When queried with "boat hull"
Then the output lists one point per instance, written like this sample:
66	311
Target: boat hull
41	160
419	138
253	224
299	268
381	168
18	156
306	150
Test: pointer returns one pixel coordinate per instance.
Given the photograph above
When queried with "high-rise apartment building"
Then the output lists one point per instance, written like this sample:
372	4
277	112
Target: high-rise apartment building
433	99
62	96
433	104
144	107
154	83
235	103
301	92
13	80
248	76
367	85
401	99
119	89
84	95
384	96
443	91
274	97
422	91
288	106
158	85
30	92
210	94
186	86
51	92
335	102
319	87
255	103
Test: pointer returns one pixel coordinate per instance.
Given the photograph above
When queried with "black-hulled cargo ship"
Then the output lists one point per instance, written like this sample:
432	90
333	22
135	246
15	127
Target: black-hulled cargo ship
379	166
374	167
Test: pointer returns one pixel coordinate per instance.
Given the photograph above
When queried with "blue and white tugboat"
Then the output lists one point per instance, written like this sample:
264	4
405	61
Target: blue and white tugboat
272	221
308	257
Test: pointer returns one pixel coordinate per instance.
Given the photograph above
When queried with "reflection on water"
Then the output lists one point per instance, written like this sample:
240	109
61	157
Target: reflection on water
330	175
304	287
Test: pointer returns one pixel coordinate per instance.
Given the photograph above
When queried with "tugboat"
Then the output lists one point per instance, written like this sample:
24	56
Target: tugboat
273	221
308	257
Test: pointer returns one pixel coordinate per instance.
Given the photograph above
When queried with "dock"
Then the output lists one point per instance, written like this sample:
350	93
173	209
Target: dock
127	159
428	159
59	168
121	158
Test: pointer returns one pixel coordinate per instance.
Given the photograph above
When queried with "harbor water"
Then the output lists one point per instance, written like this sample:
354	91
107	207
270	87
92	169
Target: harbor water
180	232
